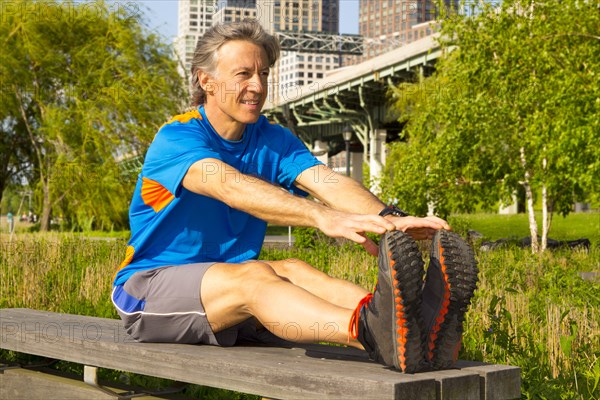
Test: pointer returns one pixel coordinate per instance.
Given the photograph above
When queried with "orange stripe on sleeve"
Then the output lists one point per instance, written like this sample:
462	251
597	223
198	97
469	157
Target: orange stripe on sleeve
155	195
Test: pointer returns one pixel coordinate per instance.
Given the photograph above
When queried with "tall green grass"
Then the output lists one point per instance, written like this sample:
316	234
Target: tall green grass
495	226
59	272
536	312
531	311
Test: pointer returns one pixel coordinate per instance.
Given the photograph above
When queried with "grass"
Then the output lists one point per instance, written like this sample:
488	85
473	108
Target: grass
495	226
529	310
58	272
536	312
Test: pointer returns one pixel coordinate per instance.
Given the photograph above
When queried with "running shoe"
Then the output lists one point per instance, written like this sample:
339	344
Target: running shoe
388	322
449	286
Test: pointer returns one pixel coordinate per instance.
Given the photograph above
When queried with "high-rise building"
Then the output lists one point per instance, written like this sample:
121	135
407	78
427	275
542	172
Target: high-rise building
299	15
293	68
195	18
235	10
389	24
299	68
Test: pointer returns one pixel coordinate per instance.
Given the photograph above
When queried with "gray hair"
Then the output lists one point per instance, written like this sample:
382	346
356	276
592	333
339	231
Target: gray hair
205	55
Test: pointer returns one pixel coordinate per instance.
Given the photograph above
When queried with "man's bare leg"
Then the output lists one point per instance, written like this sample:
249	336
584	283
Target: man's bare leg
337	291
232	293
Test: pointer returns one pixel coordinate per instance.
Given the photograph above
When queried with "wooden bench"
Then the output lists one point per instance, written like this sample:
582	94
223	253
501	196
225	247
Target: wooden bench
302	372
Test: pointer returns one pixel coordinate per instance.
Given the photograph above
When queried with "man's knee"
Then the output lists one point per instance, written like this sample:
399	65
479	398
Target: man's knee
256	278
298	271
256	273
294	265
236	277
237	283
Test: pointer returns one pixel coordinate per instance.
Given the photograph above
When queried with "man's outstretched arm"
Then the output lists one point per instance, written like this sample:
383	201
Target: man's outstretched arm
218	180
343	193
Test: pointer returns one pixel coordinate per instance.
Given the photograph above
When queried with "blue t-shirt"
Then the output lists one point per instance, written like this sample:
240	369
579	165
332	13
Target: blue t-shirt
171	225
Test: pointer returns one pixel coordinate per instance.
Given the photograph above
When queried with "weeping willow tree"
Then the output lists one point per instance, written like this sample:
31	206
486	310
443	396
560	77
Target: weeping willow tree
84	87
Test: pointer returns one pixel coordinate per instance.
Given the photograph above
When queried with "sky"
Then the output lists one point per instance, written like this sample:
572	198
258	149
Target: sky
161	15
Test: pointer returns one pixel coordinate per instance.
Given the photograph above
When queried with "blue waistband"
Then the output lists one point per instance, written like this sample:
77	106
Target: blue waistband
125	301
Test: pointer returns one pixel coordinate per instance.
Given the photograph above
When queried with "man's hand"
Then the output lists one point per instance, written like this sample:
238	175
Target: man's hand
354	227
346	194
335	223
419	228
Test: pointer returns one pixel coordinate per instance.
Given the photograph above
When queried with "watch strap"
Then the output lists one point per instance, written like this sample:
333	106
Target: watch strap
393	210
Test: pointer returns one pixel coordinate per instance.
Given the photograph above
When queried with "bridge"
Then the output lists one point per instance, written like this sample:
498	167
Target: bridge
353	98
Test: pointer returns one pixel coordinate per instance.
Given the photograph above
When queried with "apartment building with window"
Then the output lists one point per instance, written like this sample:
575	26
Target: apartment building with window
389	24
195	17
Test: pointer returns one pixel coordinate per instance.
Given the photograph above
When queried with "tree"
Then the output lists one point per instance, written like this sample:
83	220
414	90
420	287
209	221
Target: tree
15	150
84	86
516	104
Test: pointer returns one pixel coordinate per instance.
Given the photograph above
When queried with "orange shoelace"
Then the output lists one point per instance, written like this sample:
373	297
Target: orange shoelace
353	326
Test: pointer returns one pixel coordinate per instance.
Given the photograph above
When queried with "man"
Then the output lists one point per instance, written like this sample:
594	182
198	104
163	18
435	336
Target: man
211	181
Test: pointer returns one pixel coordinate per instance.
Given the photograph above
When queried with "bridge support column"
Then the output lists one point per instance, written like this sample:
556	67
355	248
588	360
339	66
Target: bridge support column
376	158
356	161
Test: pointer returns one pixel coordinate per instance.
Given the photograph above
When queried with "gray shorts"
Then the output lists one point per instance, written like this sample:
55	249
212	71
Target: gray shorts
163	305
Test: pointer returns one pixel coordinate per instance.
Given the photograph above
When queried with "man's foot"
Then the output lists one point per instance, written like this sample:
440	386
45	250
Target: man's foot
388	323
449	285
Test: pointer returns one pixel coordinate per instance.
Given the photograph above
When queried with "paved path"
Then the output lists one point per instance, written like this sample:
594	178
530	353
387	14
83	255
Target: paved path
279	240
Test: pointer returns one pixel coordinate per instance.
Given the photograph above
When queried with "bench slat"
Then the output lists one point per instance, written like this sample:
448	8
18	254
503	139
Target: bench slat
497	381
312	371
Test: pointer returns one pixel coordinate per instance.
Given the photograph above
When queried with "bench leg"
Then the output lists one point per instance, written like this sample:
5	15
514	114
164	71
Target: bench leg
90	376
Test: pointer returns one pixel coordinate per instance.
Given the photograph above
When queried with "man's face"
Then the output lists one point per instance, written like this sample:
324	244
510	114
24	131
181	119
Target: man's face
237	91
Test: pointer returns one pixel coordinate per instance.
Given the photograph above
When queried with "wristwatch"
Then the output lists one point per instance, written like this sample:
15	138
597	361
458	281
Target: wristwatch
393	210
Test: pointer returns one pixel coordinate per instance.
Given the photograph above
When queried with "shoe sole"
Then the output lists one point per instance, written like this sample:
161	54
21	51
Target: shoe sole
456	261
405	271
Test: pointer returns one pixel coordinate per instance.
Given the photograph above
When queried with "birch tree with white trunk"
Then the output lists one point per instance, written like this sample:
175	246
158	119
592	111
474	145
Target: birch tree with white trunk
514	104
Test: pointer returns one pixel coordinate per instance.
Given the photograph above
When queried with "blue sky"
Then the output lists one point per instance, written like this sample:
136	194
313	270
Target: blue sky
161	15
